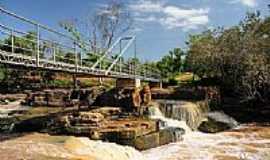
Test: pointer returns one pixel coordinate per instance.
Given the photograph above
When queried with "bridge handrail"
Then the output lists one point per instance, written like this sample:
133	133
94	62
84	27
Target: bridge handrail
35	23
78	48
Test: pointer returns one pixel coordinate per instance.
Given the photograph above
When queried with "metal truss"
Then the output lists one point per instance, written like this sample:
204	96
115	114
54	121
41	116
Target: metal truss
36	54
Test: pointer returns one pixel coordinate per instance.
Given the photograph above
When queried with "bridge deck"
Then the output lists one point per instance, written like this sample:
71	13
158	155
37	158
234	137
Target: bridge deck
34	50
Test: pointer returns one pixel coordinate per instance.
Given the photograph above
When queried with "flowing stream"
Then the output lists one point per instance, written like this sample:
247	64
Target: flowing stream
246	142
155	113
243	143
193	113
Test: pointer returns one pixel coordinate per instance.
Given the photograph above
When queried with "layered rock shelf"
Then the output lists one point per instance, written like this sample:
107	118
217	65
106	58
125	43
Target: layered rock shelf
120	115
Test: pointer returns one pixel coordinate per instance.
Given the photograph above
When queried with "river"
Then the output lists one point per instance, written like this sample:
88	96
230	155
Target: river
247	142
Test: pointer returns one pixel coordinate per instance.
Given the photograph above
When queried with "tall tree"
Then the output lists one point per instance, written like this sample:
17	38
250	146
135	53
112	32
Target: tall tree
103	25
238	57
172	63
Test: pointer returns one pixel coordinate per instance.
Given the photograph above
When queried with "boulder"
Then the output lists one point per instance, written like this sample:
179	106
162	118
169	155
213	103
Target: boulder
127	98
147	141
170	135
217	122
162	137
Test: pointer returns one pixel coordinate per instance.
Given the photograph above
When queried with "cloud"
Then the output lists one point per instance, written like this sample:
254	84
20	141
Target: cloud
185	18
147	19
249	3
147	6
170	16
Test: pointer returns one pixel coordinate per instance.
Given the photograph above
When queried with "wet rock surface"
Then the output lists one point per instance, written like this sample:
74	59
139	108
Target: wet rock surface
100	123
127	98
89	113
64	97
217	122
162	137
138	132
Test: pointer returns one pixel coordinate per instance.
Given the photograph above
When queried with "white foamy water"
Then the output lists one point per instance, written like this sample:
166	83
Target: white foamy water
193	113
102	150
202	146
155	113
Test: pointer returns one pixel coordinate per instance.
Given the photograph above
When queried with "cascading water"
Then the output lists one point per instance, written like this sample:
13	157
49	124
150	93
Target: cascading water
155	113
191	113
242	143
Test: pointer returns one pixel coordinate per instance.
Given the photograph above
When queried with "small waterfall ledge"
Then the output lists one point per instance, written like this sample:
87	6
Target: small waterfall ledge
191	112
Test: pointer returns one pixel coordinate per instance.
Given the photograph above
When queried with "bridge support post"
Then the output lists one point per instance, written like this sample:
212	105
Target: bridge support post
75	82
128	83
37	47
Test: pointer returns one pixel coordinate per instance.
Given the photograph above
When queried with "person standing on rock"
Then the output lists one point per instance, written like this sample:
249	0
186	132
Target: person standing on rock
136	100
146	95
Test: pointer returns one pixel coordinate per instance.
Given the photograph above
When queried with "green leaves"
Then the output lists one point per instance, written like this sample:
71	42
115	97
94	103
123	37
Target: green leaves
172	63
239	57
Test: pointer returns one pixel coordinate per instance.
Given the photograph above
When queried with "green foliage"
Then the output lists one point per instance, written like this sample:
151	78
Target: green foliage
24	45
171	64
237	57
173	81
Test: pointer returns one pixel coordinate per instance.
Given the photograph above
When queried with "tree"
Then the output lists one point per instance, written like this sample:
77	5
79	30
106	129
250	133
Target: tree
24	45
104	25
171	64
238	57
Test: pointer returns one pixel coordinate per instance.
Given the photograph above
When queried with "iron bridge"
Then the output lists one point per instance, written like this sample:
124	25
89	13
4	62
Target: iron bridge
49	49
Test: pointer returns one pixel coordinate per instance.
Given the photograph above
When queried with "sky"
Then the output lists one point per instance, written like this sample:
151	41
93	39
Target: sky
159	25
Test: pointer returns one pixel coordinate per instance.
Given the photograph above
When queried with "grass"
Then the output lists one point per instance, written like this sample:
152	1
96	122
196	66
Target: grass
84	83
186	77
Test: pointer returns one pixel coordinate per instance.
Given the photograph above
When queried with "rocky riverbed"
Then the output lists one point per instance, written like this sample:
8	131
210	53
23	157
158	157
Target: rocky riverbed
247	142
157	130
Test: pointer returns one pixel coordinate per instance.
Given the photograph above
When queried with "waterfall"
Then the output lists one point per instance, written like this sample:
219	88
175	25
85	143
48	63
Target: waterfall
190	112
155	113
